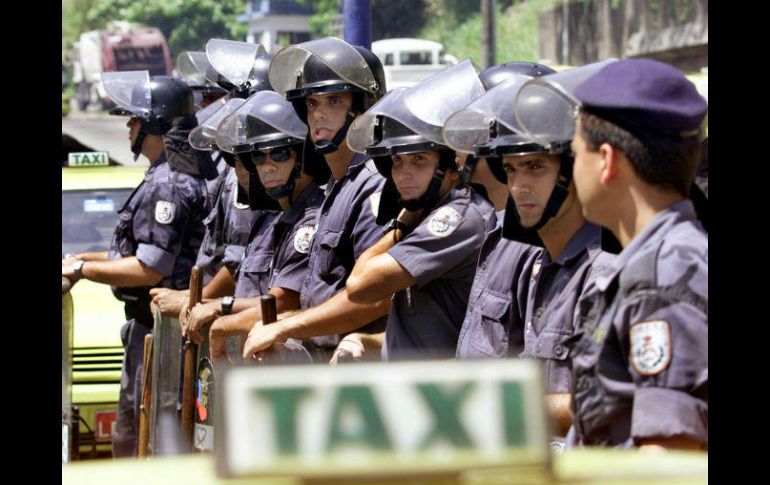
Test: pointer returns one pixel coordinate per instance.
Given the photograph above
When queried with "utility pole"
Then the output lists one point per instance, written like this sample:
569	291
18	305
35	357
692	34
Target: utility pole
488	51
358	22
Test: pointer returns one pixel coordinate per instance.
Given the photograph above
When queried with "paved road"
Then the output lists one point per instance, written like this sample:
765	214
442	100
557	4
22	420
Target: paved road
102	132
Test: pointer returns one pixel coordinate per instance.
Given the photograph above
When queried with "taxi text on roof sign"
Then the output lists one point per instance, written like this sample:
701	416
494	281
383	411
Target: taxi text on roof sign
386	418
88	159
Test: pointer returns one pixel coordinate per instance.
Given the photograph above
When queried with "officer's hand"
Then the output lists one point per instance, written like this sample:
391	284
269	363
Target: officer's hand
170	302
69	260
262	338
218	343
202	314
69	273
348	350
184	314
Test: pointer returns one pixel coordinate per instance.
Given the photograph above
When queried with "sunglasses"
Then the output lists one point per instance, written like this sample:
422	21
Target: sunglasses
281	154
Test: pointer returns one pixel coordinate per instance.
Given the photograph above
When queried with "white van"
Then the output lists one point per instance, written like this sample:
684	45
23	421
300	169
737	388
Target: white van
408	61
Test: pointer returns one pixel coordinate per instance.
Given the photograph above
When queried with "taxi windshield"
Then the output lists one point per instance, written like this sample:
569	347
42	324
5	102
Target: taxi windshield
88	218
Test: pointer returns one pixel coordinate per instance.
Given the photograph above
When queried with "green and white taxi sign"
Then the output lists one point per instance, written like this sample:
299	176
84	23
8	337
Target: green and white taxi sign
88	159
381	418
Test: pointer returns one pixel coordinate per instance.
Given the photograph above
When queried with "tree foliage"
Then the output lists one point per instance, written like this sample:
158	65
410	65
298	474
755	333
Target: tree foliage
187	24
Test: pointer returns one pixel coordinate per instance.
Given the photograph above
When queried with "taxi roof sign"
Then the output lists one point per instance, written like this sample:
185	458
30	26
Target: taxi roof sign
407	418
88	159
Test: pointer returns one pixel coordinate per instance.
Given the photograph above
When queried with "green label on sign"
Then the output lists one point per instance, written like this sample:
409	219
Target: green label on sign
416	417
89	159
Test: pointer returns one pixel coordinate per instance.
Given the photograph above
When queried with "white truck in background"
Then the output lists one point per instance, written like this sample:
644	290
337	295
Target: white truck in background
408	61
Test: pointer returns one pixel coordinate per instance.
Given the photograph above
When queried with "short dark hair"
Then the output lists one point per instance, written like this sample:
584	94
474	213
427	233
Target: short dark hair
663	161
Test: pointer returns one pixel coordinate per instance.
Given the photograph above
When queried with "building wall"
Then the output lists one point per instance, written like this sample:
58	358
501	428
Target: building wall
674	31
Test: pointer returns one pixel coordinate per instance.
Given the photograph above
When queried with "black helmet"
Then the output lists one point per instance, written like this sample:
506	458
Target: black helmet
241	67
494	75
409	120
266	121
328	65
157	101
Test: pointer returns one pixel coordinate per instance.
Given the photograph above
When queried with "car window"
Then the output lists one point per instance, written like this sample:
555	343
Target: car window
389	59
88	218
415	57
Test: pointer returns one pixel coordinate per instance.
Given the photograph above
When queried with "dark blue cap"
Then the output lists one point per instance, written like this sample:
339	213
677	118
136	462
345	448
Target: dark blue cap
643	95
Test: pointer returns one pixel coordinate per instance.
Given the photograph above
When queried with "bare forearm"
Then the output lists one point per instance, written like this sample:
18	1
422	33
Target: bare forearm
221	284
559	407
380	247
248	311
93	256
124	272
336	315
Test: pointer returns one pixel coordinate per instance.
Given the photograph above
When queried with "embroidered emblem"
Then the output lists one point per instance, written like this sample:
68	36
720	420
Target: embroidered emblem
303	238
650	347
444	222
165	212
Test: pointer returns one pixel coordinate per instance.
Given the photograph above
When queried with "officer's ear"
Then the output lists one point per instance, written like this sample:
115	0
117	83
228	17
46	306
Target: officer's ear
609	158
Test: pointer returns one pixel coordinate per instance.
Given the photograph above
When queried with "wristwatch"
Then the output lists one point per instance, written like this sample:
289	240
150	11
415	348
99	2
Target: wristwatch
77	268
396	224
227	304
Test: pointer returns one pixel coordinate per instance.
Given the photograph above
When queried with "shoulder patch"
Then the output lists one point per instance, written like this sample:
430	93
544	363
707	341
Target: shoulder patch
374	201
165	212
303	238
444	222
650	347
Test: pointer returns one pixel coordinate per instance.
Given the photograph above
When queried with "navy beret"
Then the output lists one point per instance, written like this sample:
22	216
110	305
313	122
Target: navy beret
644	95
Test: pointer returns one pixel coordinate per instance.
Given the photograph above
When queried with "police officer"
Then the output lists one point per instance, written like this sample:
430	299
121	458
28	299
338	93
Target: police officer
495	302
267	137
641	367
330	83
544	211
230	221
428	254
160	225
227	225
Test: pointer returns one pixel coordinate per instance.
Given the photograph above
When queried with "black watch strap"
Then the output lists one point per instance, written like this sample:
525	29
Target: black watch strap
396	224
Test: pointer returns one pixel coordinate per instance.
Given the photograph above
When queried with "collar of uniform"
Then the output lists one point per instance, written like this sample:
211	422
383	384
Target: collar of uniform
680	212
586	238
157	163
297	209
354	166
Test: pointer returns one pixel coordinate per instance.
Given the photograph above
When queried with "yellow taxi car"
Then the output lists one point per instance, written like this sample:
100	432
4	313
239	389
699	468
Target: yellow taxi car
91	197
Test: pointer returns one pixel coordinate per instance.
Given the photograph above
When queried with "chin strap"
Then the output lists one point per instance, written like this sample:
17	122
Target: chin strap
287	189
429	199
136	147
325	147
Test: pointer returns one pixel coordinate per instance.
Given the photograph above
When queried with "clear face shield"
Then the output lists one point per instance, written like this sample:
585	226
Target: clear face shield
474	124
204	136
130	91
193	67
234	60
423	108
265	120
340	57
545	107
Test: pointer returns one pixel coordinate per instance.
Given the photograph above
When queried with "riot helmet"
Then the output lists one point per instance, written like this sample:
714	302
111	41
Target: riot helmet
195	69
409	120
204	136
156	101
328	65
547	107
487	126
494	75
266	122
242	66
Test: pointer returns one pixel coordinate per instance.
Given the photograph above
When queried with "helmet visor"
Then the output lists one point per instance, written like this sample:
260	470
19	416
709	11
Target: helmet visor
204	136
232	59
265	116
545	107
339	56
192	66
471	125
423	108
130	91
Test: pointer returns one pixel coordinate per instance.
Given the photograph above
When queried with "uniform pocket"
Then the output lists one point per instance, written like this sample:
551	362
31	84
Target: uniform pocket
491	336
330	265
